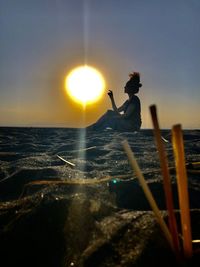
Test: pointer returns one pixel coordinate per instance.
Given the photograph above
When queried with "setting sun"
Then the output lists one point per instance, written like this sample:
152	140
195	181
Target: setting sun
85	85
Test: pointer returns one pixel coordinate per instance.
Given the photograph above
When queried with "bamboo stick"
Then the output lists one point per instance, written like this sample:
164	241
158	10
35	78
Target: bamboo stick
178	147
166	181
147	192
66	161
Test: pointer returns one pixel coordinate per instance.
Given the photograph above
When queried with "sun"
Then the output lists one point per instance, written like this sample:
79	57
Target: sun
85	85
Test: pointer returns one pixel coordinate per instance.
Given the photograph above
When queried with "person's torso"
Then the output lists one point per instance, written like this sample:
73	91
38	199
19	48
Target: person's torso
135	117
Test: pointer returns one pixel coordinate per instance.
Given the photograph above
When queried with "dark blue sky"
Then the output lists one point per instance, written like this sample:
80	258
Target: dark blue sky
42	40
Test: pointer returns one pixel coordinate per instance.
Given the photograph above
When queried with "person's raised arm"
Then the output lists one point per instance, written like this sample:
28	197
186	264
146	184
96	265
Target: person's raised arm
110	93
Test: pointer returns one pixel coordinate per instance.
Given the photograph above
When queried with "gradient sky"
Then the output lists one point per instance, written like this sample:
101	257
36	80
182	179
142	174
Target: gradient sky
42	40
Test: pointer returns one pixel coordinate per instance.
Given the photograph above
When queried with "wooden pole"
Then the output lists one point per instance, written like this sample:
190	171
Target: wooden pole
147	192
166	181
178	147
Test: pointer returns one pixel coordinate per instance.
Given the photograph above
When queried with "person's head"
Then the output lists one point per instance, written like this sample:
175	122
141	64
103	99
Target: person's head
133	85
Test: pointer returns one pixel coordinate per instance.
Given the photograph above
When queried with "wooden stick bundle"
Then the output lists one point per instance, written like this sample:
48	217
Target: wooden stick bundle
166	181
178	147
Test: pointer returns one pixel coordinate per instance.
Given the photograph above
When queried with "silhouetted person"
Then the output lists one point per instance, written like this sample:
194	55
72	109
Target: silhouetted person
130	119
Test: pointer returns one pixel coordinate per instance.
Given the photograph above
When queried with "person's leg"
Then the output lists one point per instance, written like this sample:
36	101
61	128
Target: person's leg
104	121
121	124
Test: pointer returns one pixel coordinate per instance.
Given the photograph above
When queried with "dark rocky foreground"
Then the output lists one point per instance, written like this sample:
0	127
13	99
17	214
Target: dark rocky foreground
59	222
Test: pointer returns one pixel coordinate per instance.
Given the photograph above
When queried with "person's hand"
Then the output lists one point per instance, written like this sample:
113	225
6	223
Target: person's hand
110	93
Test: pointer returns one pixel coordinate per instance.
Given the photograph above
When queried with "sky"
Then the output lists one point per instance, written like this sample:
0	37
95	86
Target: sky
43	40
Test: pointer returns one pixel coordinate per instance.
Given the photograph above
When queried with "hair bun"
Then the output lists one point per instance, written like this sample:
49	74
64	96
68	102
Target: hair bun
135	76
134	73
